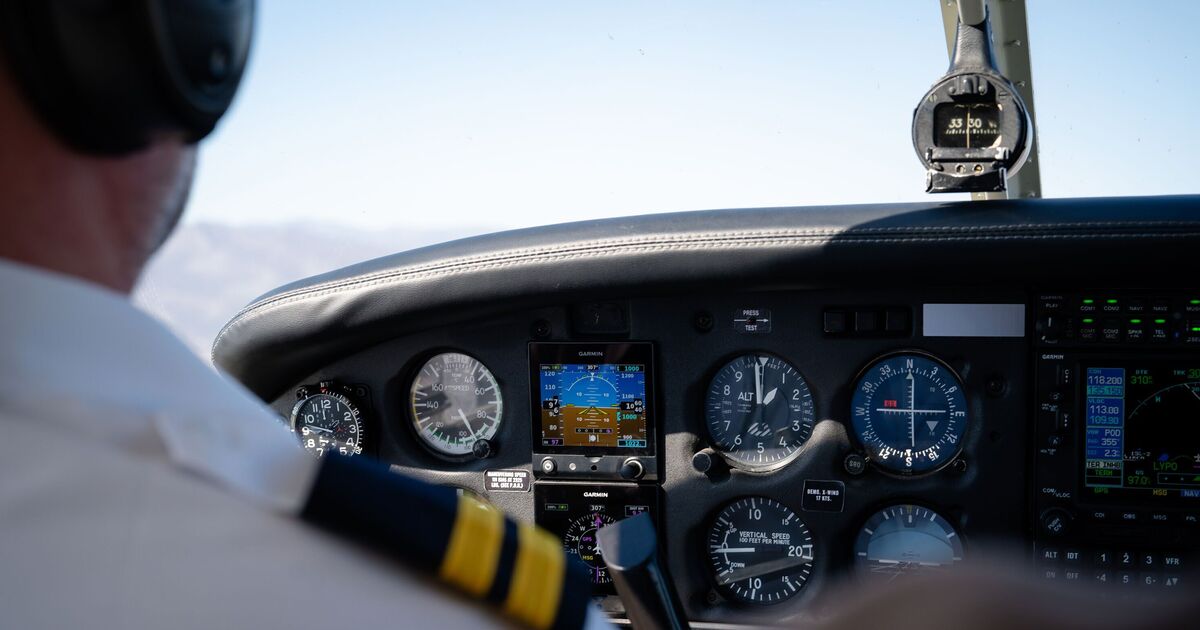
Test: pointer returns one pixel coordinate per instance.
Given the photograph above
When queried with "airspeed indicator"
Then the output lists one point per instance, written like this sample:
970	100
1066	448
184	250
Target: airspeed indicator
454	401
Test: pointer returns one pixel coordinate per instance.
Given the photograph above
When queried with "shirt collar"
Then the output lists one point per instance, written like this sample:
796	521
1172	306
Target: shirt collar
83	357
67	339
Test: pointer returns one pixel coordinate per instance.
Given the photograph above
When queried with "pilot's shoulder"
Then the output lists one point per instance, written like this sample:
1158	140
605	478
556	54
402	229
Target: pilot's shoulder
519	569
138	535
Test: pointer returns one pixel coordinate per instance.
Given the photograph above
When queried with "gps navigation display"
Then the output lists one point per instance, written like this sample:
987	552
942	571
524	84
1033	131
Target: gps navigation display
1142	432
592	398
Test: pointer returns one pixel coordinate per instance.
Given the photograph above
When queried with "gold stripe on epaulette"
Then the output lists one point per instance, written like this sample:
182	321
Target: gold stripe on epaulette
474	548
537	580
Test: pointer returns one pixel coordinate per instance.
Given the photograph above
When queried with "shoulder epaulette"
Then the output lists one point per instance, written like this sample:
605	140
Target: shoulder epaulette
519	569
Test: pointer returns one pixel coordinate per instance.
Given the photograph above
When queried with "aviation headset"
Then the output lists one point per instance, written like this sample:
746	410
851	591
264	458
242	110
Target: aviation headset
111	76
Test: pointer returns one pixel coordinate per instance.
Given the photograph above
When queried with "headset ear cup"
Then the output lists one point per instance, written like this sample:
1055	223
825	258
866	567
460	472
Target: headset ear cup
111	76
203	47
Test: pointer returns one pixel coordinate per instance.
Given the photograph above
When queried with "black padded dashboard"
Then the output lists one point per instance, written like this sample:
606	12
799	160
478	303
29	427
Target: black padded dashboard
293	330
683	282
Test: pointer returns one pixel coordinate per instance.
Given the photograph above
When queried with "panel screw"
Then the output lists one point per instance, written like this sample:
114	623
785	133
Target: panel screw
959	466
541	329
483	449
360	391
996	386
703	321
855	464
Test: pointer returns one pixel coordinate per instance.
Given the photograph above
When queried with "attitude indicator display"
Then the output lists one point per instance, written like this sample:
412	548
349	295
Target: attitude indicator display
594	405
904	540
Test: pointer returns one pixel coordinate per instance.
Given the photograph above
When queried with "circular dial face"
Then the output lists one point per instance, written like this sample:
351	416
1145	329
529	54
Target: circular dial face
328	421
967	125
904	540
455	401
760	551
909	413
580	540
759	412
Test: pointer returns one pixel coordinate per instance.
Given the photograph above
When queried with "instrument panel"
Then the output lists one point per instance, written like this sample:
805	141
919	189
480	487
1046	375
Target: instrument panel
785	443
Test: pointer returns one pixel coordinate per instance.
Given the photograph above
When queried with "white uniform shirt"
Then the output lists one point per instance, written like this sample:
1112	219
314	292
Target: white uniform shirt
139	489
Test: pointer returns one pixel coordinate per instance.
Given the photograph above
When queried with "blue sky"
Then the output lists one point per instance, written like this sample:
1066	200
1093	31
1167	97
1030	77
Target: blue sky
478	115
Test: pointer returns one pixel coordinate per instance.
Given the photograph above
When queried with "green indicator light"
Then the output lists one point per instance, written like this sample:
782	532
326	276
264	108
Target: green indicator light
1135	321
1088	300
1088	320
1195	328
1160	321
1193	301
1110	301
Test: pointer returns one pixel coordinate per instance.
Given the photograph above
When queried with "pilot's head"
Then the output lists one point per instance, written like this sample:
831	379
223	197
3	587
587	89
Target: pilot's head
101	106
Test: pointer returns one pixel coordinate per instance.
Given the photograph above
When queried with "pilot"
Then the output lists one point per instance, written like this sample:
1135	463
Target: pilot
138	488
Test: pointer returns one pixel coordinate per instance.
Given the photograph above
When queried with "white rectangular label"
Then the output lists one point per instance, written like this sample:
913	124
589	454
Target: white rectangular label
973	320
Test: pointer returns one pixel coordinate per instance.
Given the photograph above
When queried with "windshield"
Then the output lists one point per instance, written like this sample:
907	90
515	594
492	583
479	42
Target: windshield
364	132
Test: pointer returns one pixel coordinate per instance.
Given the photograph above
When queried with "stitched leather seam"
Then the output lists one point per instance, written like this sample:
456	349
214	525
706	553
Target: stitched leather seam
728	237
596	249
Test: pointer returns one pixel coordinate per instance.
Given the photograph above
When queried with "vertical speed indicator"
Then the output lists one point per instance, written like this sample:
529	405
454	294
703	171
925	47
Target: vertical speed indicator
909	413
760	551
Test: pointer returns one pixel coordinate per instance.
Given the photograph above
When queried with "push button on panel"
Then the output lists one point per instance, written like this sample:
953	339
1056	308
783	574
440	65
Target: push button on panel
896	320
1056	522
866	321
1089	329
1110	330
1159	330
1191	333
1136	331
835	322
